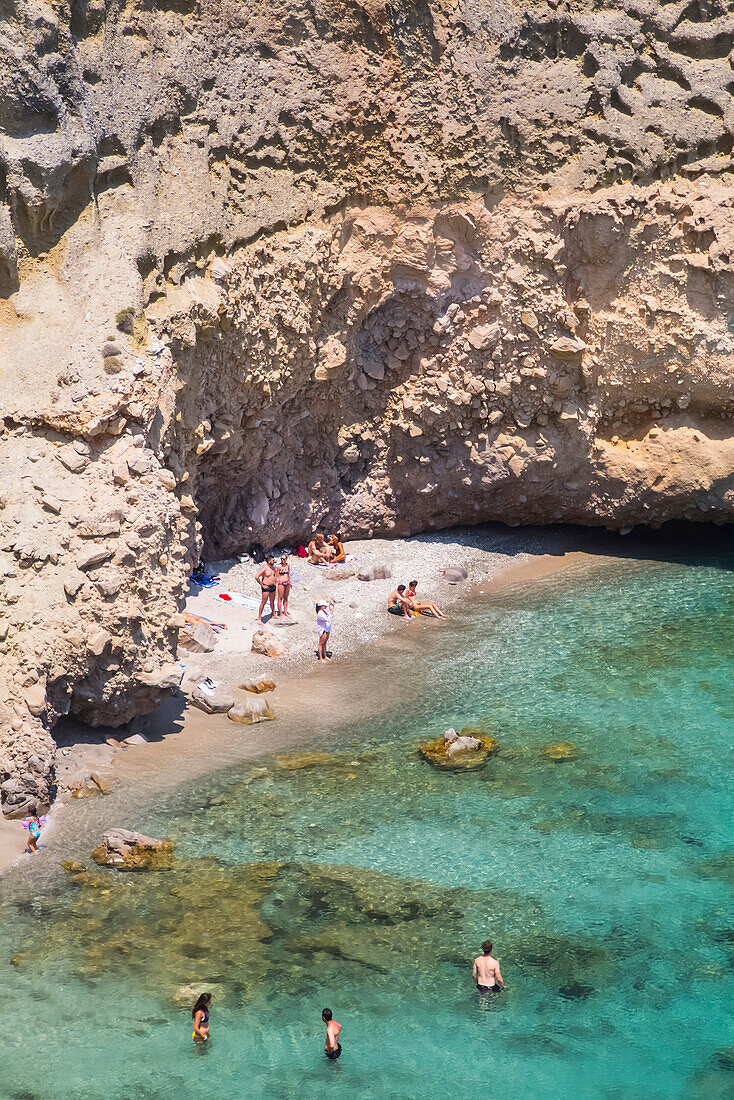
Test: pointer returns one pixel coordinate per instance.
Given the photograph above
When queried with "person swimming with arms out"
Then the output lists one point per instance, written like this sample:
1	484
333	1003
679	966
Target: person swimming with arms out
200	1015
332	1046
486	971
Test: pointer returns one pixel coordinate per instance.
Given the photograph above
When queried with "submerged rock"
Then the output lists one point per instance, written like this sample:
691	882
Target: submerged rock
562	750
128	851
294	761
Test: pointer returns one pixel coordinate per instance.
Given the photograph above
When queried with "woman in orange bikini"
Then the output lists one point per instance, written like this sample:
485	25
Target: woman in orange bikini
283	571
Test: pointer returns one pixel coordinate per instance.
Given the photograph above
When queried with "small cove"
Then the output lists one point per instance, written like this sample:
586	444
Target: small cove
368	882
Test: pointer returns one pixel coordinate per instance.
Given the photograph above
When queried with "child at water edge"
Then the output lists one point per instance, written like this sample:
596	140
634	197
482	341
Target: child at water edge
33	825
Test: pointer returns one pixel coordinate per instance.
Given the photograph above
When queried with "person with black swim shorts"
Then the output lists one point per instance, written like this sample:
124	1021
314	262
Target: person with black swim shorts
397	603
332	1046
267	577
486	971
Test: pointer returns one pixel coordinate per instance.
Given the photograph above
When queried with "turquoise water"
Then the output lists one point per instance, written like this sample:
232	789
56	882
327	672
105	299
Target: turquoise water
368	880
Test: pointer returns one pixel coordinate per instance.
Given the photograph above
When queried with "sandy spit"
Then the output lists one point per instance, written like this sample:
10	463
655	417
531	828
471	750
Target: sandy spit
493	556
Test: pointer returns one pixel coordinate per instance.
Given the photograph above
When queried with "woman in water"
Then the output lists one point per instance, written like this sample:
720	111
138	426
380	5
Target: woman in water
200	1014
284	585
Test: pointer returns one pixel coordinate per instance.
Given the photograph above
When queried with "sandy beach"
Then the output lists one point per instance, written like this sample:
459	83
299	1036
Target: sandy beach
183	741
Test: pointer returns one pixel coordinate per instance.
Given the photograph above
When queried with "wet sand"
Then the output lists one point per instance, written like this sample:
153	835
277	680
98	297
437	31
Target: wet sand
313	702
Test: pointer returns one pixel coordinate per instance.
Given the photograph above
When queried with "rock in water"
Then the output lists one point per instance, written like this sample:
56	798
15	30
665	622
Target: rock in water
463	744
255	708
562	750
461	752
128	851
216	701
265	642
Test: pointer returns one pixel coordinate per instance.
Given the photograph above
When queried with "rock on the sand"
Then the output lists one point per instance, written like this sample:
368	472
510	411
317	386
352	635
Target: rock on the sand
375	573
455	574
258	686
128	851
255	708
216	701
265	642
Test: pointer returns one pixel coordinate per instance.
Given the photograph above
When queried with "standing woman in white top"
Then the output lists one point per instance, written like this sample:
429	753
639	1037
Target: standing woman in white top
324	615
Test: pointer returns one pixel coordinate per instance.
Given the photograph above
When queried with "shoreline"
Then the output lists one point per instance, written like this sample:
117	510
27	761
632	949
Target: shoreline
309	698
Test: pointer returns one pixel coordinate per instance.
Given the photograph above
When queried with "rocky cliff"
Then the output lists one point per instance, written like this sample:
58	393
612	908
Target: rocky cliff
377	265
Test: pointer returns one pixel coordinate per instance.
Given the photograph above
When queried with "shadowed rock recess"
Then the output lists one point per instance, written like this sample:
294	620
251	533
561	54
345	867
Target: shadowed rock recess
383	265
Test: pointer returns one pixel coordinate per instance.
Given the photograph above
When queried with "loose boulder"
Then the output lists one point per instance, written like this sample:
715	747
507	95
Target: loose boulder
257	687
255	708
214	700
455	574
128	851
265	642
375	573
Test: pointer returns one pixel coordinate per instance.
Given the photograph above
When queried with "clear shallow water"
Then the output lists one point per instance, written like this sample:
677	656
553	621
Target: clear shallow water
368	882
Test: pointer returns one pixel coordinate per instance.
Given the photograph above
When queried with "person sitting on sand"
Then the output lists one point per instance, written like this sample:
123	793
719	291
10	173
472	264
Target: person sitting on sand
332	1046
338	553
486	971
416	605
200	1015
266	578
397	604
318	552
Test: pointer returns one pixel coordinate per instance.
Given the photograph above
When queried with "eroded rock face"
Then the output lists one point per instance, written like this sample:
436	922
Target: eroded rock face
386	266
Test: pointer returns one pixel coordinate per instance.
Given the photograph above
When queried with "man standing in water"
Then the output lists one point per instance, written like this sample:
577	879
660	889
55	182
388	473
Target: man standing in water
332	1046
486	971
266	577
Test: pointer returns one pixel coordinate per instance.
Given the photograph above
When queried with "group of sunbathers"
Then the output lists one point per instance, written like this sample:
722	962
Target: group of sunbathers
326	551
407	604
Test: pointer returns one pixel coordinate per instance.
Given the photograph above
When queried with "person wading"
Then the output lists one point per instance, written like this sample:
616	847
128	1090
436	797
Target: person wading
266	577
200	1016
332	1046
486	971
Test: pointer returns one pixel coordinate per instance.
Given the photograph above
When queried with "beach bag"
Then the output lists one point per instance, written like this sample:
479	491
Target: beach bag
302	552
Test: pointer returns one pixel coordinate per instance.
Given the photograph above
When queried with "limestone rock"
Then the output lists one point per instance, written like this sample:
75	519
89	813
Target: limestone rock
128	851
464	751
375	573
258	686
255	708
265	642
217	700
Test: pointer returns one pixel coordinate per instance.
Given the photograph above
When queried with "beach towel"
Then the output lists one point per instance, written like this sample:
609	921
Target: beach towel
203	580
333	564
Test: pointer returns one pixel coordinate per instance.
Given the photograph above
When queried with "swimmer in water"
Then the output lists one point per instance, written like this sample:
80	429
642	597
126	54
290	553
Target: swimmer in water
200	1014
332	1046
486	971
